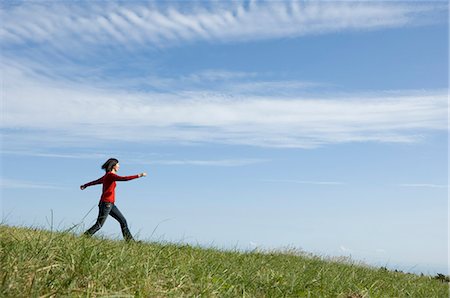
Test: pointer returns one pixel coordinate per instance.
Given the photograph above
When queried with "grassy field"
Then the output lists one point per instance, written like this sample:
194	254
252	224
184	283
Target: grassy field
36	263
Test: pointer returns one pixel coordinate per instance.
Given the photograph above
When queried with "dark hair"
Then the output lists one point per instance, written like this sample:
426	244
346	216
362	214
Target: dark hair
109	164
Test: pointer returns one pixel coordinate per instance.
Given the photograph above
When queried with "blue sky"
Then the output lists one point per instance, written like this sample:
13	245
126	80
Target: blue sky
315	125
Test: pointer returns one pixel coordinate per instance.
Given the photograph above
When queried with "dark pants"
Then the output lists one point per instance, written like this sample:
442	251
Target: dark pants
109	208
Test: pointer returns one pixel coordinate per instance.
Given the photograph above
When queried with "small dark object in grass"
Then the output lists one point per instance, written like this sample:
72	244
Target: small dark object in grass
442	277
355	295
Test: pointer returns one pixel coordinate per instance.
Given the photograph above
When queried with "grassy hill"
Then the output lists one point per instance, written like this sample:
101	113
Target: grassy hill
36	263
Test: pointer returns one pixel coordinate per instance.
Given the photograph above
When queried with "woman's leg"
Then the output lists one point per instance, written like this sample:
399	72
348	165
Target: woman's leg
115	213
103	210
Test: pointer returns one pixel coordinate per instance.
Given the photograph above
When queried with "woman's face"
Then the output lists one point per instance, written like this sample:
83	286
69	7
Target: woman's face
116	167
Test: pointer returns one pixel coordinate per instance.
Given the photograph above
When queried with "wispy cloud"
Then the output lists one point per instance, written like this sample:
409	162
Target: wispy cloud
425	185
42	108
43	104
229	82
55	155
237	162
218	75
6	183
129	24
304	182
226	82
214	163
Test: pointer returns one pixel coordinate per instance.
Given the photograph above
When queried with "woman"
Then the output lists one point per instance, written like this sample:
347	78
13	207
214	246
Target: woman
106	205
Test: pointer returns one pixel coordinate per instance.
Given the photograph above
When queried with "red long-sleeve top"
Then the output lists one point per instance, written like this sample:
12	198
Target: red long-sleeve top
109	185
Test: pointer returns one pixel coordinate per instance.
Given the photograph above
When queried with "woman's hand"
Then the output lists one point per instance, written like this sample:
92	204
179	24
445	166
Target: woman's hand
82	187
142	175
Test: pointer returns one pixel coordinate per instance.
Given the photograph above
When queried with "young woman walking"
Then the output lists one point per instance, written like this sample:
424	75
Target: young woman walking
107	200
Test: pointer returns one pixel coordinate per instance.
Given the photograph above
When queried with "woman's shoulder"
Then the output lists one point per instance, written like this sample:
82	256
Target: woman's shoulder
109	175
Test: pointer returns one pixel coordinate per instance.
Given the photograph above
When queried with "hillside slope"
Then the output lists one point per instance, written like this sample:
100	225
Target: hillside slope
38	263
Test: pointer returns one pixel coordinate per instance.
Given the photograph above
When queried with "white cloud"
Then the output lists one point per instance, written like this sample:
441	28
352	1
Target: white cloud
215	163
35	108
132	158
226	82
65	25
305	182
217	75
20	184
55	155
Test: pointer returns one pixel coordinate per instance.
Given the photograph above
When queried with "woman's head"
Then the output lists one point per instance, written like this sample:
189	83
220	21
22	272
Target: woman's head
111	164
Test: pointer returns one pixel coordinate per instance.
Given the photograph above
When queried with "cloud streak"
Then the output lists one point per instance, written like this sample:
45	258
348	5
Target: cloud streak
209	163
74	112
305	182
55	155
60	24
20	184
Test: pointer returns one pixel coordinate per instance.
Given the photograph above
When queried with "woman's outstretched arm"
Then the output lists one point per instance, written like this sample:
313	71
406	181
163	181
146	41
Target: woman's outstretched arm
95	182
126	178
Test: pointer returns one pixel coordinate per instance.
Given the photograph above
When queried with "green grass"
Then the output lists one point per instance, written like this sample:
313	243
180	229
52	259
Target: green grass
37	263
